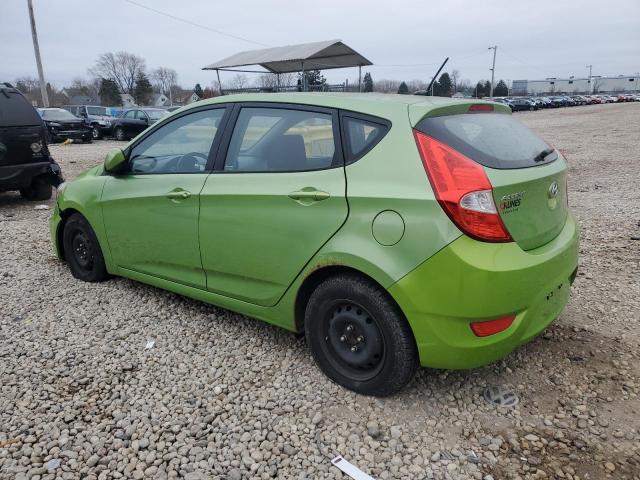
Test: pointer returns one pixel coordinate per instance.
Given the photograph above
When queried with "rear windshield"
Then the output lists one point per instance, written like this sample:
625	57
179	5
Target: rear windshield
15	110
495	140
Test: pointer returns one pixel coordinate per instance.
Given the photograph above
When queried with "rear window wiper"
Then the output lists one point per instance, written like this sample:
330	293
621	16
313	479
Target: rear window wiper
543	154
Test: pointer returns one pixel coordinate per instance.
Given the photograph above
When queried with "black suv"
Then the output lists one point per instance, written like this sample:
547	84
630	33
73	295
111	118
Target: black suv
25	162
64	125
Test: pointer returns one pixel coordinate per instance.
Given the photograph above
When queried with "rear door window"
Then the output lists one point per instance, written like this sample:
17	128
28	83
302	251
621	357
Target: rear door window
15	110
361	135
495	140
281	140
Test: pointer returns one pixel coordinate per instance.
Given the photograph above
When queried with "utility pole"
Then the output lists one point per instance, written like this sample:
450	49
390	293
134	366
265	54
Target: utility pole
590	86
636	74
493	69
36	48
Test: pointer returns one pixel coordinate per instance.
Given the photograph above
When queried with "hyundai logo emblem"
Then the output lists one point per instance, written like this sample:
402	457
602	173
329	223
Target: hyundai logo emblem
553	190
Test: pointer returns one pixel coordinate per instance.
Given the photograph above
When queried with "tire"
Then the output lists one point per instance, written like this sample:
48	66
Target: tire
359	337
88	139
95	133
119	134
82	250
39	189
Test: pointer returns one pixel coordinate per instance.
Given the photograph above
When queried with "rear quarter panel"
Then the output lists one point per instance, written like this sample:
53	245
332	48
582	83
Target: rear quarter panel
389	177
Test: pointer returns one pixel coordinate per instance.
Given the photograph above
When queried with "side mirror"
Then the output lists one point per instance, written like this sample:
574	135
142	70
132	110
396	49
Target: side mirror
114	160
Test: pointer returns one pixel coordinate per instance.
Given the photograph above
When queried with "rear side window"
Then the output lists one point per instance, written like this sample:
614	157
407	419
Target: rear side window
361	135
495	140
15	110
281	140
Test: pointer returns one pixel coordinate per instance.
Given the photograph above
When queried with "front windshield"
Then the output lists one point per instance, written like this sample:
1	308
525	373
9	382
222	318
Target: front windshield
156	114
100	111
57	114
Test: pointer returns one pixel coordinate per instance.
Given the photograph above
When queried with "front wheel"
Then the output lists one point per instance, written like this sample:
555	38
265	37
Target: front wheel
95	133
119	134
82	250
359	337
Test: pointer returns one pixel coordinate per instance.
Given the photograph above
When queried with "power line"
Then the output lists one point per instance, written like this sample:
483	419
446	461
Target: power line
194	24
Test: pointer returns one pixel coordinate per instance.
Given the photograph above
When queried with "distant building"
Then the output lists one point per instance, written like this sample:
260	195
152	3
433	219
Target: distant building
599	84
159	100
127	100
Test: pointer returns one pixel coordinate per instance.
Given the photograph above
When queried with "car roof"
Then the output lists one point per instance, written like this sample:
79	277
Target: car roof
379	104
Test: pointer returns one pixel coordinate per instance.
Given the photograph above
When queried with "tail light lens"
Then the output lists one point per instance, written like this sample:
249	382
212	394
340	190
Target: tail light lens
491	327
462	189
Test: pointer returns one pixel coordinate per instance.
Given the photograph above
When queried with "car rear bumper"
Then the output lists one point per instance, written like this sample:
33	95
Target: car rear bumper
13	177
470	281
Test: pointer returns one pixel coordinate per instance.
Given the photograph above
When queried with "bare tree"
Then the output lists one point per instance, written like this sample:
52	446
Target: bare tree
597	84
386	86
121	67
164	78
239	81
455	76
415	85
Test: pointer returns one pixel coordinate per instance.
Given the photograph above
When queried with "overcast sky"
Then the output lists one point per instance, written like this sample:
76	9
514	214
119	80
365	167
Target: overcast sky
536	39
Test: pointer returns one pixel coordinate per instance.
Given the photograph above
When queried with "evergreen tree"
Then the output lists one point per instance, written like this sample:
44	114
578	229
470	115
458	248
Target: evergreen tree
142	90
368	82
403	89
501	89
198	90
444	86
487	88
315	80
109	95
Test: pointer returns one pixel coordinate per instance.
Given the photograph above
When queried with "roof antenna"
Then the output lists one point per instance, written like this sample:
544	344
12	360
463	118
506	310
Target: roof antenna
435	76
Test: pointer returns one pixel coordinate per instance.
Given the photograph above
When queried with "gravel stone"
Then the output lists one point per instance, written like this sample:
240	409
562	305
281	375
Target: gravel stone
221	396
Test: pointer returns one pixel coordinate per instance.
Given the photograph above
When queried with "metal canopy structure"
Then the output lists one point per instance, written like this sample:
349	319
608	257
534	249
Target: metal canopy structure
294	58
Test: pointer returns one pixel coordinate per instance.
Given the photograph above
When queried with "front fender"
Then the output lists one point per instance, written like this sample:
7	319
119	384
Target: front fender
83	196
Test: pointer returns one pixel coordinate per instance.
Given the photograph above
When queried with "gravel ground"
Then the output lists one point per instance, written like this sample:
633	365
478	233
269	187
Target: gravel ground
223	396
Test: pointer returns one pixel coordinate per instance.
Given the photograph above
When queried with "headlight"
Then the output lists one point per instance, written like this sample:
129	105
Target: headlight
54	124
36	147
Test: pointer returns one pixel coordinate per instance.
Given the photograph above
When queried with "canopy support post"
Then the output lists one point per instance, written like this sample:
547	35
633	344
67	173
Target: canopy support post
219	83
359	78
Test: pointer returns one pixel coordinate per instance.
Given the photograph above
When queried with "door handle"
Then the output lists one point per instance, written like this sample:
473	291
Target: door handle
309	194
178	194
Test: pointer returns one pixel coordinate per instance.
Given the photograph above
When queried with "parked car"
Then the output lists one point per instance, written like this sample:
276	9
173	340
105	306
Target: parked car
523	104
62	125
558	101
504	101
450	256
98	118
134	120
25	162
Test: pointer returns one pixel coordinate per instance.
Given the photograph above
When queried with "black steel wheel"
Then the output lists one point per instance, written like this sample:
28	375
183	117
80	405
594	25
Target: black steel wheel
353	341
82	250
359	337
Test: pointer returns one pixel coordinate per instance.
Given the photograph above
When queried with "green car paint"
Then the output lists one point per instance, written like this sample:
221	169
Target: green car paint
241	242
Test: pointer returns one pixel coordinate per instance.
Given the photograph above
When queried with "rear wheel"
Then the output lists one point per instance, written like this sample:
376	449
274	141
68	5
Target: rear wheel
40	189
359	337
82	250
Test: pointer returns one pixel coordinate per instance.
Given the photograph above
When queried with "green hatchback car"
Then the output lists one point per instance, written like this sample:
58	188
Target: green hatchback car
393	230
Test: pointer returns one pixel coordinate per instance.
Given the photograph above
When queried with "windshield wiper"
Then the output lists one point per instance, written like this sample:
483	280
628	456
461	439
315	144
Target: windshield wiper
543	154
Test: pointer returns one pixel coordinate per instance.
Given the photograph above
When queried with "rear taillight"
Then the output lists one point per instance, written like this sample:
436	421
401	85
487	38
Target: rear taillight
463	190
491	327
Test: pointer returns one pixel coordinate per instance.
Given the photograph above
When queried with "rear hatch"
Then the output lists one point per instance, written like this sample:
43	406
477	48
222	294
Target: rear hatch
527	176
21	130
